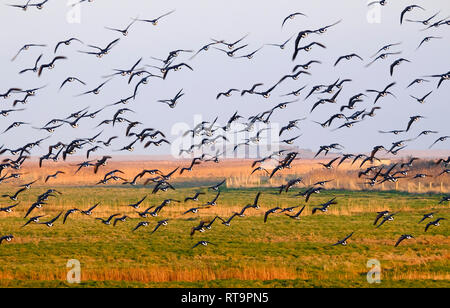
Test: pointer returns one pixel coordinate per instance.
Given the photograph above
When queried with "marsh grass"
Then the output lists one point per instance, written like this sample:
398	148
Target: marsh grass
237	173
282	252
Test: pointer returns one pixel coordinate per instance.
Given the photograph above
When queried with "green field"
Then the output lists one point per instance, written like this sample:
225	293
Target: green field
250	253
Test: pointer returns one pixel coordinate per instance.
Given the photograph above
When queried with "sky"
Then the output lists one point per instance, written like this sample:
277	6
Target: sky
363	31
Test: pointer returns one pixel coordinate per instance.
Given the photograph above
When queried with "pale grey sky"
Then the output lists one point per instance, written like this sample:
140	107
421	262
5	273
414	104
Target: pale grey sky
192	25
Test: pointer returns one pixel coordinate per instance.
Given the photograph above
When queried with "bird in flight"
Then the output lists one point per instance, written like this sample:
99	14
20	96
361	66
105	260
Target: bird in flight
409	8
155	20
291	17
344	241
403	238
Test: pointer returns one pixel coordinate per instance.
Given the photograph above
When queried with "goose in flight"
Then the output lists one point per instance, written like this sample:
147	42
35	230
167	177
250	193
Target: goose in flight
70	80
195	210
344	241
421	100
444	199
23	7
231	53
329	165
51	222
409	8
175	68
260	169
227	93
382	93
7	238
204	48
435	223
228	221
382	56
324	207
440	139
217	186
16	195
427	39
426	133
266	94
8	93
35	68
230	46
120	219
293	182
385	48
26	48
108	220
101	51
67	43
53	175
409	163
403	238
297	216
446	161
137	204
442	78
159	224
437	24
34	220
291	17
125	31
426	21
90	210
421	176
194	198
308	193
325	29
348	58
290	141
214	201
445	171
162	186
140	225
155	20
271	211
68	213
200	228
250	55
50	65
389	217
413	120
283	45
173	101
307	48
427	216
202	243
8	209
397	63
95	91
417	81
249	91
380	215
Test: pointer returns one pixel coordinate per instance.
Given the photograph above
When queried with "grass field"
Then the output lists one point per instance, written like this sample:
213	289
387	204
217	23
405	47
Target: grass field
250	253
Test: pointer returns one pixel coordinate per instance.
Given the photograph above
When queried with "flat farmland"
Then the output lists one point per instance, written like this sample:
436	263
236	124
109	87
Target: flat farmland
282	252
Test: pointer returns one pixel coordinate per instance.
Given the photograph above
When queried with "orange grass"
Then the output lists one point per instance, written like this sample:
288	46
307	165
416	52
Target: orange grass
237	173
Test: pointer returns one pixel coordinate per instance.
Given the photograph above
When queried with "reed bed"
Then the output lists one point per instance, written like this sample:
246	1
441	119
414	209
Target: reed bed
238	175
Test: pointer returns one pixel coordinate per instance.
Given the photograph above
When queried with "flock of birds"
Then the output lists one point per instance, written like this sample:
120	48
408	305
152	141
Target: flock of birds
210	132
